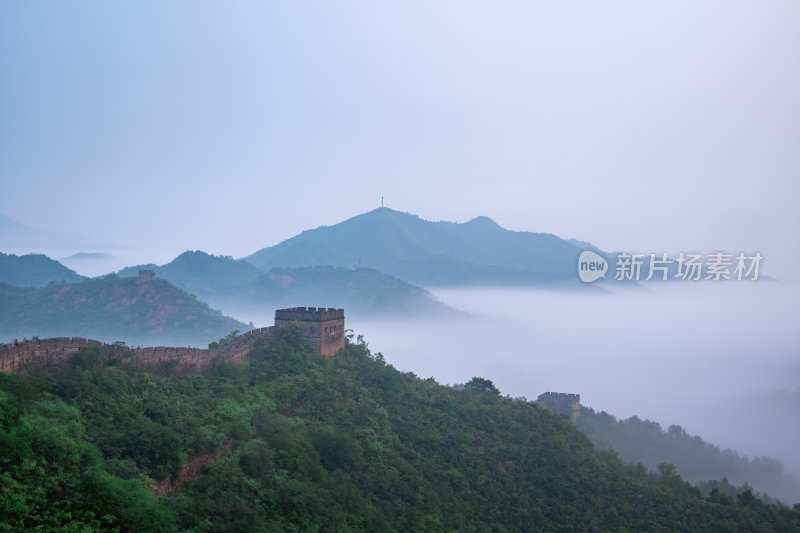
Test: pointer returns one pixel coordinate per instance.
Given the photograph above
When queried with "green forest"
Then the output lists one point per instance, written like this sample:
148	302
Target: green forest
147	312
296	441
644	441
225	282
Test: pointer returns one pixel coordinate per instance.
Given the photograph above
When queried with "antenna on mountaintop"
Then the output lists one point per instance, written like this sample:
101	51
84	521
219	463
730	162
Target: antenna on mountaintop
381	200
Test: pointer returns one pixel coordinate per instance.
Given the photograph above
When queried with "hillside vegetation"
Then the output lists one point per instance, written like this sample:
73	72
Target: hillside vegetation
238	285
477	252
33	270
646	442
304	442
362	291
136	311
210	277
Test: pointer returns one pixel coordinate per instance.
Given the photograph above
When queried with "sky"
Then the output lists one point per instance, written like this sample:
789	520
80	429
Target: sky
227	127
151	128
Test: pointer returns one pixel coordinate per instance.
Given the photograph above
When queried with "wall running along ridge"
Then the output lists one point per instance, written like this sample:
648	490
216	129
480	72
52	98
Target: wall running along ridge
62	350
323	330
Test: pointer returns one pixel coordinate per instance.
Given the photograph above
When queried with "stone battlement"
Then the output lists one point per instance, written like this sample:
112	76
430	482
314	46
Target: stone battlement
308	314
561	402
323	329
15	359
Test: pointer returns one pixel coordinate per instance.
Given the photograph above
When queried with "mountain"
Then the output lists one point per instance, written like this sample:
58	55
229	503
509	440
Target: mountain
212	278
90	263
430	253
238	285
360	291
296	441
33	270
645	442
141	311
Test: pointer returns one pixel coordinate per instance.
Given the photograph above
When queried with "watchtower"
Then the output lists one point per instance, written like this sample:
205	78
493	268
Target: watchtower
323	328
560	402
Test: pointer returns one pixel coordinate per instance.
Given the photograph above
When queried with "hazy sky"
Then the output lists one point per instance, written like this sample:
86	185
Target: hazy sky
639	126
650	126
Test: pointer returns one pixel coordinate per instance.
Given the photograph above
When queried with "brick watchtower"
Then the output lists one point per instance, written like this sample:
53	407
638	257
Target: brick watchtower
560	402
323	328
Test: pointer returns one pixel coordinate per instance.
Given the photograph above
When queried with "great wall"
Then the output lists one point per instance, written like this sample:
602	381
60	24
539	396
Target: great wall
323	329
563	403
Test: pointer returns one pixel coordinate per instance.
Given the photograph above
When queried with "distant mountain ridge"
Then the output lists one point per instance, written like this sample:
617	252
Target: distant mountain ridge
33	270
229	283
135	310
429	253
360	291
210	277
645	442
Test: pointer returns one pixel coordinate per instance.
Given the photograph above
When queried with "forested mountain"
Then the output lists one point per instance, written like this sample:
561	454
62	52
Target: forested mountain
95	263
234	284
360	291
296	441
430	253
210	277
645	442
135	310
33	270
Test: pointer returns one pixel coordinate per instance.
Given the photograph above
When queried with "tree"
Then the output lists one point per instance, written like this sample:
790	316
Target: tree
224	340
482	385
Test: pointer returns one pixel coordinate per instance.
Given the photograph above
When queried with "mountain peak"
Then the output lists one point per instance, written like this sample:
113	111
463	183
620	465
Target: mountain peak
33	270
387	212
483	221
426	252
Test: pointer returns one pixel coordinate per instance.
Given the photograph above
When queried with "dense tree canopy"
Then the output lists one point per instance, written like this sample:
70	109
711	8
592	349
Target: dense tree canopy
644	441
316	443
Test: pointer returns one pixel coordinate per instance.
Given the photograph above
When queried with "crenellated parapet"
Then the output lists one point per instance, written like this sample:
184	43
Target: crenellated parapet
323	328
561	402
14	358
308	314
17	358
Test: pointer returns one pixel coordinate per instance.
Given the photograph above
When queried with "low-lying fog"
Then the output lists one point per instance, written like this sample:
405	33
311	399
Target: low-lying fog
721	360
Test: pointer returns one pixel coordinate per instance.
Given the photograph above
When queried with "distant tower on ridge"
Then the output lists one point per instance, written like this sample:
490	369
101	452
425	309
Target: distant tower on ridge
566	404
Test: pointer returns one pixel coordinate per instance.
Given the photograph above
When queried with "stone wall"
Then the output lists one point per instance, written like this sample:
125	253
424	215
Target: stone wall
307	314
332	336
16	359
323	328
560	402
56	350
